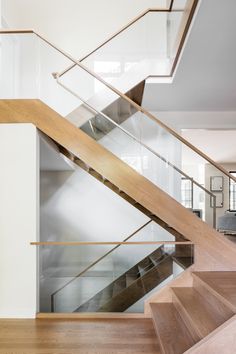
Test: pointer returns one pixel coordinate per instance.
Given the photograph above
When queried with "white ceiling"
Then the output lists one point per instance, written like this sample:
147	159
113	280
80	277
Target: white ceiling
220	145
206	76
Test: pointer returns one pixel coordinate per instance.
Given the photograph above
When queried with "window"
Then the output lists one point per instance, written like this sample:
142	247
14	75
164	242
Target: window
232	193
186	192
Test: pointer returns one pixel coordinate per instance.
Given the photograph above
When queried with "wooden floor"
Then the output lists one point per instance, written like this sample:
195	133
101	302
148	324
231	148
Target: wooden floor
100	336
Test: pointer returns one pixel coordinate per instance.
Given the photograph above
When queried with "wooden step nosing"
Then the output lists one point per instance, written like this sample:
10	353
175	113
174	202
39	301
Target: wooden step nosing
163	351
211	335
215	293
187	318
181	324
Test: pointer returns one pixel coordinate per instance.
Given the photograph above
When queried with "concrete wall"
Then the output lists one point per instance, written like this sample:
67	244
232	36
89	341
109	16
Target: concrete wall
19	180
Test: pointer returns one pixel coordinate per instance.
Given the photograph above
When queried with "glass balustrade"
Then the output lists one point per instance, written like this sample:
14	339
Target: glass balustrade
147	46
115	121
134	135
104	278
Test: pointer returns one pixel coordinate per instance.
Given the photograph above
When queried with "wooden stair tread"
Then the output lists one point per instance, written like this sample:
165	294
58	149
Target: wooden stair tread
147	194
183	262
222	284
130	278
117	288
202	315
172	332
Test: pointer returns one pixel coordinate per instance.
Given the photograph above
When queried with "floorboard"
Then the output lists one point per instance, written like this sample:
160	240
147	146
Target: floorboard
43	336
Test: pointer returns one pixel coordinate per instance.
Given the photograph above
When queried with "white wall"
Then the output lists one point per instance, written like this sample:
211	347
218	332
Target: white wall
19	220
77	26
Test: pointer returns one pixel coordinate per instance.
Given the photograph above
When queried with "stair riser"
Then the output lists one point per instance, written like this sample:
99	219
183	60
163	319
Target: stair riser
174	337
212	296
195	333
139	288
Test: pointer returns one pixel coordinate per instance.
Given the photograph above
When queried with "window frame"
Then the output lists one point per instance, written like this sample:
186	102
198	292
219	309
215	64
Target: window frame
230	192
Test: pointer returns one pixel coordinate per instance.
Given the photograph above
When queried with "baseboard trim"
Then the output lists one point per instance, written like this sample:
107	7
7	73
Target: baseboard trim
91	315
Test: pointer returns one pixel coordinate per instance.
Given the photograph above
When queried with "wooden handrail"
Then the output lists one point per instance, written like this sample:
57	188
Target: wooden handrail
88	243
122	29
97	261
135	105
171	5
220	250
177	169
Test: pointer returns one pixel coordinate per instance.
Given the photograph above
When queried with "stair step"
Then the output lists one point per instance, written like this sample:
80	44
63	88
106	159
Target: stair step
156	260
200	315
106	295
142	209
130	278
144	265
171	330
96	175
157	256
111	186
128	198
81	164
90	306
183	262
117	288
221	284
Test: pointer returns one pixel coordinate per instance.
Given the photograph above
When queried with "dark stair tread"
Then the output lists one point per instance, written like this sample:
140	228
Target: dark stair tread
130	278
144	266
157	258
117	288
184	262
106	295
172	332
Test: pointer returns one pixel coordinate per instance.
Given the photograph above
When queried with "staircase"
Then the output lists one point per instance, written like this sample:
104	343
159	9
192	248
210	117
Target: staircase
121	193
119	110
132	285
190	315
196	314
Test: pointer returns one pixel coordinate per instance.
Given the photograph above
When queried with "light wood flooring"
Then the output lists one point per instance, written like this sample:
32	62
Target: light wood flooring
101	336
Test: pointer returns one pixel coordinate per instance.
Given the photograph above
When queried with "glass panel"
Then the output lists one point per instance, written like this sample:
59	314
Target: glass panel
19	66
143	143
140	141
117	281
133	50
26	67
180	4
145	48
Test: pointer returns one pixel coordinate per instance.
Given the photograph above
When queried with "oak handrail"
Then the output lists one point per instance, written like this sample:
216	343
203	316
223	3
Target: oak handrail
168	10
119	93
101	243
146	147
95	262
122	29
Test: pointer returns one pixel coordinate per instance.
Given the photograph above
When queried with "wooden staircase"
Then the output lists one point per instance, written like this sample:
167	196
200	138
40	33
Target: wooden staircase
178	237
199	316
188	323
119	110
132	285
